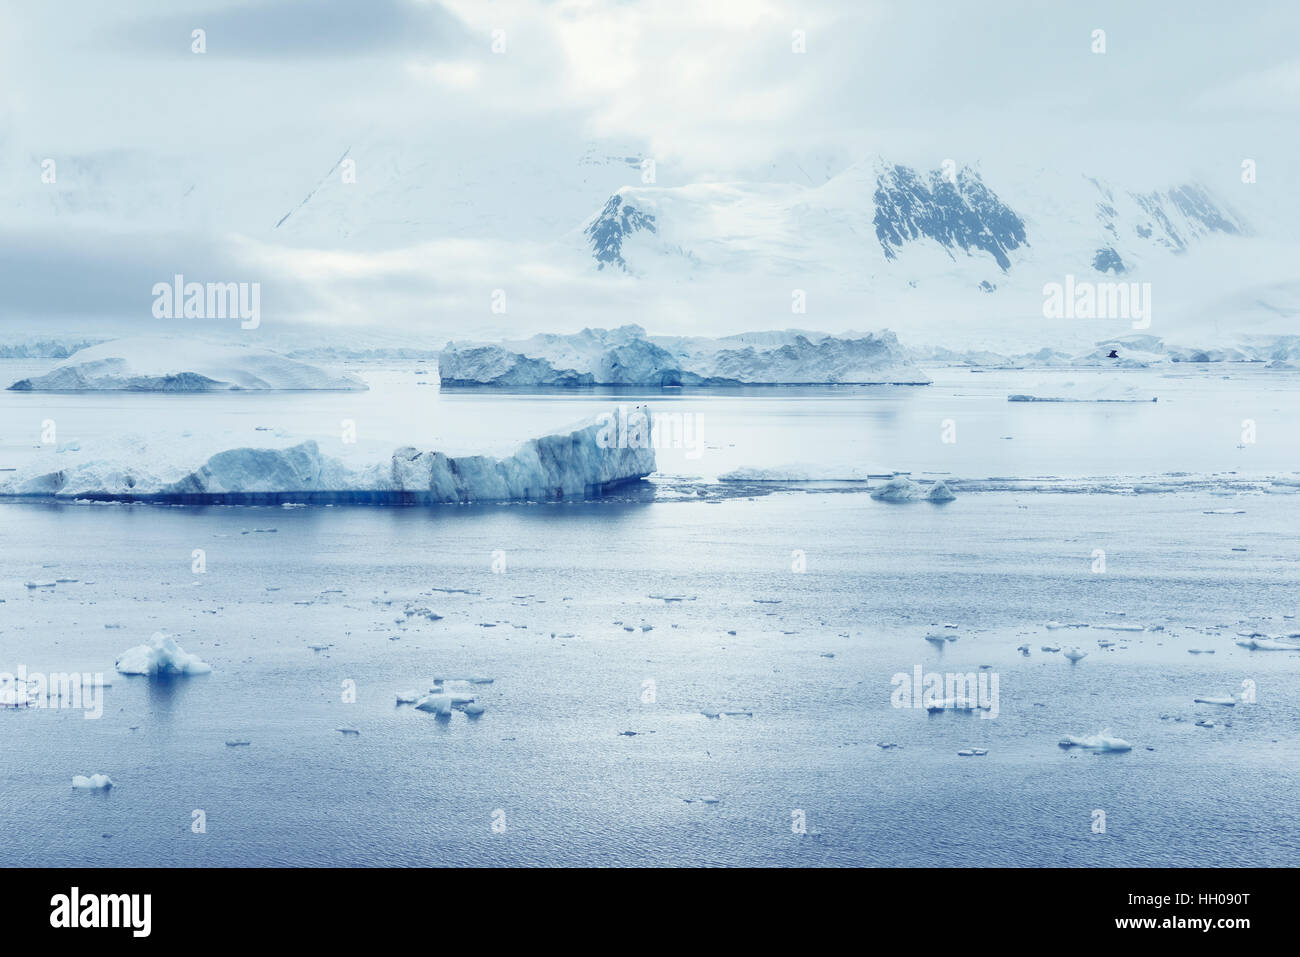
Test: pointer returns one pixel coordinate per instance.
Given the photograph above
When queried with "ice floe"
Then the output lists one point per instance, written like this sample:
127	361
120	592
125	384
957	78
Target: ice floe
1268	644
95	782
1101	741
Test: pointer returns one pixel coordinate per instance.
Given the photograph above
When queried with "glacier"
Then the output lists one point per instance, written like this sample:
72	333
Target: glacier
628	356
165	364
575	463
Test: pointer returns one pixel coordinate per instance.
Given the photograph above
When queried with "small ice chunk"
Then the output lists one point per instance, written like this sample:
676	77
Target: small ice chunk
96	782
1226	700
940	492
408	697
439	704
1074	654
1101	741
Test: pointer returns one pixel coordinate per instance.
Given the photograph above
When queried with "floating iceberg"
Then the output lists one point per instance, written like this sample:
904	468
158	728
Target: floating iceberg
161	364
1226	700
160	655
903	489
1101	741
627	356
573	464
96	782
1075	654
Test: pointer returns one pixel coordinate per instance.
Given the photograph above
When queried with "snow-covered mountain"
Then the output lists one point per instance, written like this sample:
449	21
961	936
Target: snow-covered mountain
627	356
904	224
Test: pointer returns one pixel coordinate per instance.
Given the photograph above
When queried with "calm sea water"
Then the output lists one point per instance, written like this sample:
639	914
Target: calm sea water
806	656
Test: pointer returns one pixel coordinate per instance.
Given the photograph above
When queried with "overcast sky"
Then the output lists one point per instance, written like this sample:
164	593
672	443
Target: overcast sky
169	160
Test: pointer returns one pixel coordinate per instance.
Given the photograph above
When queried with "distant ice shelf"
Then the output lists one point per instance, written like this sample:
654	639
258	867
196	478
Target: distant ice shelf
179	364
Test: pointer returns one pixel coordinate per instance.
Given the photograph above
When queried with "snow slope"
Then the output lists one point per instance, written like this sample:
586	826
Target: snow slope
571	464
956	258
176	364
627	356
877	213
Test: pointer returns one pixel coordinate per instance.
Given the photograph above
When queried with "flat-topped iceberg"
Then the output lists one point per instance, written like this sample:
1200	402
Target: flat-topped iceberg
577	463
163	364
627	356
1101	741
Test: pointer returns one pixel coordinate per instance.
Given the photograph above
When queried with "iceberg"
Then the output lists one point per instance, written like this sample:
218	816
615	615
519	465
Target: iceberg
576	463
95	782
903	489
627	356
1101	741
160	655
162	364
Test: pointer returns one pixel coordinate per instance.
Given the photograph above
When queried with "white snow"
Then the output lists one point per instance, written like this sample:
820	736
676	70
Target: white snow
179	364
160	655
95	782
